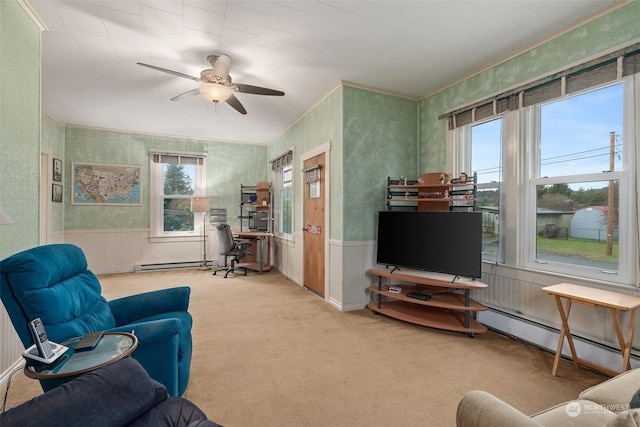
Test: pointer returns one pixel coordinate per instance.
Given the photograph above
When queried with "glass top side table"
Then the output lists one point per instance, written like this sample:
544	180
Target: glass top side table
112	346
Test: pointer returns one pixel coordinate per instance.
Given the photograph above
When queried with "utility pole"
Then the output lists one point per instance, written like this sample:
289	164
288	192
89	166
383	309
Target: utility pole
610	213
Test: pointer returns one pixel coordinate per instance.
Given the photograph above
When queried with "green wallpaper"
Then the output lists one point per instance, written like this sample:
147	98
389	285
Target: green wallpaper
320	125
372	136
228	166
380	140
53	137
612	30
19	128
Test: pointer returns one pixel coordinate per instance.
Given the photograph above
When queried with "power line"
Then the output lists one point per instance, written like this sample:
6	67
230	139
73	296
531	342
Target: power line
575	158
582	152
571	156
563	158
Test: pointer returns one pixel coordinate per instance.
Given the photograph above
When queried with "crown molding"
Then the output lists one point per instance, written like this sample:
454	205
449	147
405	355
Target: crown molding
33	15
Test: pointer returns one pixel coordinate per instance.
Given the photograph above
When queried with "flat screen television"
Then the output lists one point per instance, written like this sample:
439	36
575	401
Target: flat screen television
443	242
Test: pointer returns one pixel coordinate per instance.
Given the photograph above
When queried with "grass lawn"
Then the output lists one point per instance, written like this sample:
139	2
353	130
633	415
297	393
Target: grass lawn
584	248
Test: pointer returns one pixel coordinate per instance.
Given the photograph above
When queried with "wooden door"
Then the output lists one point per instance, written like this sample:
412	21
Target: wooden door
314	232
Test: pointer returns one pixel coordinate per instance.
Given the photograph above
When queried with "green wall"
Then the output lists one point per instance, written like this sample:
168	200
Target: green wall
322	124
380	140
372	136
19	128
612	30
228	166
53	138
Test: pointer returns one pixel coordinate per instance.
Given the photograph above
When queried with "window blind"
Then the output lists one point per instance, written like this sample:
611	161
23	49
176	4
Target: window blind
607	68
178	158
312	174
284	159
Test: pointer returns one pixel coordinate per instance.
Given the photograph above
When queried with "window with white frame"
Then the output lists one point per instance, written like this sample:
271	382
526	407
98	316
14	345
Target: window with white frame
577	178
562	153
175	179
486	163
283	195
478	150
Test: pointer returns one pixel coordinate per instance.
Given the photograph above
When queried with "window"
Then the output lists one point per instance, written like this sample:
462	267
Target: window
486	162
283	195
566	168
175	179
478	149
578	176
570	162
286	200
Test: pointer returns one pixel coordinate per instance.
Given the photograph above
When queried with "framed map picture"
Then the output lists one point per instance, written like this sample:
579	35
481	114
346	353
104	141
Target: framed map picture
101	184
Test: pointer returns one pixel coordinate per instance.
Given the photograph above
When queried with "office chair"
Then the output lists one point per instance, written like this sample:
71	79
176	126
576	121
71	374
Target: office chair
231	247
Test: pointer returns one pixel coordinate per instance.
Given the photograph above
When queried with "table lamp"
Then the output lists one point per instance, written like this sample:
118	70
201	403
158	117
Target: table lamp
201	204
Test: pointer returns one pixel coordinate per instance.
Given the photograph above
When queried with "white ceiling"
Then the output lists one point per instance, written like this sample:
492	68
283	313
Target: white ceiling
304	48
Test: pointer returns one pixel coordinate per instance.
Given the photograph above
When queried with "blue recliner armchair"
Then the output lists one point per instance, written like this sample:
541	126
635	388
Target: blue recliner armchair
53	283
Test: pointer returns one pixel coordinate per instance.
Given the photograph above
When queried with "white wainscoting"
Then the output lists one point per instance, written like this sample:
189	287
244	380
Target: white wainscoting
348	286
57	237
334	289
119	251
11	347
287	257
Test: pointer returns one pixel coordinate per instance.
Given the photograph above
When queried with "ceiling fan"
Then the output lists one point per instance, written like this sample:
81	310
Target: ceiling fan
216	84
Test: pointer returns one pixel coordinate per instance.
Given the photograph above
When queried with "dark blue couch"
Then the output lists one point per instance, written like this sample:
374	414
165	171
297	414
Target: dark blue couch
52	282
117	395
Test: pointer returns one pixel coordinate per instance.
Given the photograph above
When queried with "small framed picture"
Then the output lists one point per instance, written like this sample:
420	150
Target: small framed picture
57	170
56	193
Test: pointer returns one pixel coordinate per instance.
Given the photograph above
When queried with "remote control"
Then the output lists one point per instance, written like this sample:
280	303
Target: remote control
419	295
89	341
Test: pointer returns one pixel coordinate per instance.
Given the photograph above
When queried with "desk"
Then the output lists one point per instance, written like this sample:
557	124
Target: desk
614	301
111	347
260	237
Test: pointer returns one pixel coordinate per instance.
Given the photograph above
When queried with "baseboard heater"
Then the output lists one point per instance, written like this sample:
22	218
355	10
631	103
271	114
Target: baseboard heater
546	338
172	266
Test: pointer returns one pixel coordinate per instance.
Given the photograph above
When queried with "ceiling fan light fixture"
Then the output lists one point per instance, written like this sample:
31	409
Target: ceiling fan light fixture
215	92
216	84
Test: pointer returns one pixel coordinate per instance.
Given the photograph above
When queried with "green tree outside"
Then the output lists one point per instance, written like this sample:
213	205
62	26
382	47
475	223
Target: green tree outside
177	210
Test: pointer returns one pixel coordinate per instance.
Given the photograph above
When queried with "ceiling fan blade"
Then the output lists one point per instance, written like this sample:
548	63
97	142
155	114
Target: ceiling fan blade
175	73
188	94
233	101
257	90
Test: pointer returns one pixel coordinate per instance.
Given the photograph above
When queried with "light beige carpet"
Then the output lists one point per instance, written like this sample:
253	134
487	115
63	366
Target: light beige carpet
267	352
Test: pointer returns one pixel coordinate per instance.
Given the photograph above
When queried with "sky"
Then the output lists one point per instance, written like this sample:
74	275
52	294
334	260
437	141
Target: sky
575	136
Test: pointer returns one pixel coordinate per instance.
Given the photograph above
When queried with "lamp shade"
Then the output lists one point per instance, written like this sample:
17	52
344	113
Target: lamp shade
199	204
215	92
